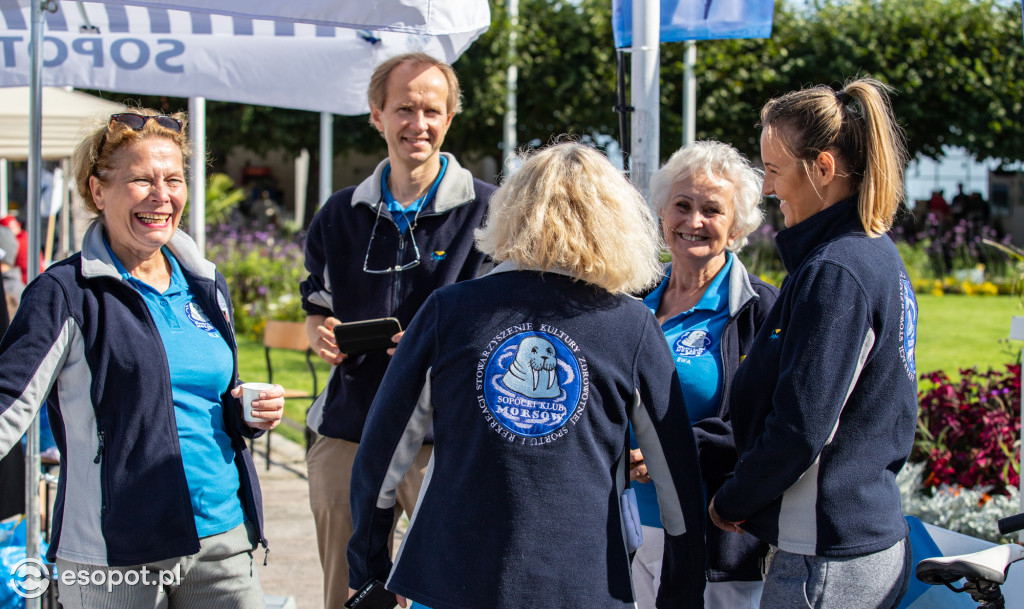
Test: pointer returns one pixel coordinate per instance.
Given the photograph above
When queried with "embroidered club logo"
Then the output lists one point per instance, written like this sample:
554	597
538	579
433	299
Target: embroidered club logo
530	383
692	343
199	320
908	326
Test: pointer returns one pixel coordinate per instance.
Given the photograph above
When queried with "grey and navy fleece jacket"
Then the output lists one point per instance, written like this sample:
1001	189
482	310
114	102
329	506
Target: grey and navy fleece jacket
825	404
84	342
731	556
529	381
336	245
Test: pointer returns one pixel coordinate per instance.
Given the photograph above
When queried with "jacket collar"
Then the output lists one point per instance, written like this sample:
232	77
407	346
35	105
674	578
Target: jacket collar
456	188
96	260
796	242
508	266
740	290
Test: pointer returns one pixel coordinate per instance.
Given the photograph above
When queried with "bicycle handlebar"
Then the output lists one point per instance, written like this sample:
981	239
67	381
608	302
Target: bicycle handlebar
1011	524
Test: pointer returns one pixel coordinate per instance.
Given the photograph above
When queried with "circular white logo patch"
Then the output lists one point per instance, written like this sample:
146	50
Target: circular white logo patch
693	343
195	315
532	383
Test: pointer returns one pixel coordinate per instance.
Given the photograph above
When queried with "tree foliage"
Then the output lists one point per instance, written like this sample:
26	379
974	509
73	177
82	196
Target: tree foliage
957	67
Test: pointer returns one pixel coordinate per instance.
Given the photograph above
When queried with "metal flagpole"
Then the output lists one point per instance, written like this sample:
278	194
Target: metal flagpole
512	79
689	93
645	89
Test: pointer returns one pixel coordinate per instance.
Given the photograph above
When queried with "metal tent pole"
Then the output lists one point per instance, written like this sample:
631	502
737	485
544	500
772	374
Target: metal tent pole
197	126
31	220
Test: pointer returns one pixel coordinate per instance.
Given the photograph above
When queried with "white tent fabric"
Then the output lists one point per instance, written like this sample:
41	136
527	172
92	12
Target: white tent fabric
430	17
65	114
157	51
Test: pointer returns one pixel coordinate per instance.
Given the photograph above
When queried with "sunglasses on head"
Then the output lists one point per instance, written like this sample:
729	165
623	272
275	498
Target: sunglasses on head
138	121
135	122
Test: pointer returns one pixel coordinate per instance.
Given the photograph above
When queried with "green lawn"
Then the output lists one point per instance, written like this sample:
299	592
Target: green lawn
956	332
290	371
953	332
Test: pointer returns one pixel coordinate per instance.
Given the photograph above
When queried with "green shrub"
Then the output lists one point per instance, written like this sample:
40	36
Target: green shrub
263	266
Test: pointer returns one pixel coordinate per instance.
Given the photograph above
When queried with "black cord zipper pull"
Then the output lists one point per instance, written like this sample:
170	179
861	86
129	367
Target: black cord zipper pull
99	449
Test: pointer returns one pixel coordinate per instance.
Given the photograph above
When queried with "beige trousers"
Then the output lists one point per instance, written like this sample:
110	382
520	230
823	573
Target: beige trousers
330	474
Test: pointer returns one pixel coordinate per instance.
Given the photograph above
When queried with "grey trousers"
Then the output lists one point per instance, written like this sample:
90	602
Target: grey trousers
221	575
874	581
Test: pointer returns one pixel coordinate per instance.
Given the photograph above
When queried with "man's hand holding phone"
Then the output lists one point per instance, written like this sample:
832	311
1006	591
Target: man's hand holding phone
320	333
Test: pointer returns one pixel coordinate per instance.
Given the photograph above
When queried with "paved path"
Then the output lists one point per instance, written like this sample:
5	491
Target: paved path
293	566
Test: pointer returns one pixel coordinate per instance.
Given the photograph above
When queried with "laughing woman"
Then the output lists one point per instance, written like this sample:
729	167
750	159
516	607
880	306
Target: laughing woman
130	344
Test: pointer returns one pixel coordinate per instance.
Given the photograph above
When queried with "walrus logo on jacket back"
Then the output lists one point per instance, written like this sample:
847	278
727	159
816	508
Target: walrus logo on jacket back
531	380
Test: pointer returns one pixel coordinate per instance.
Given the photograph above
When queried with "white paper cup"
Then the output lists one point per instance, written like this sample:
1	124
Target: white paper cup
250	392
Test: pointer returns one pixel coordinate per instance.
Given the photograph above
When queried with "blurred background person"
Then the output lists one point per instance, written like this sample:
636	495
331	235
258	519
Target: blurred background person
527	379
11	274
825	404
707	196
21	259
130	344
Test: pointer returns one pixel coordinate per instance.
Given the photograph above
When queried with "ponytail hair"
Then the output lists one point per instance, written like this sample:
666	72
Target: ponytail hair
857	125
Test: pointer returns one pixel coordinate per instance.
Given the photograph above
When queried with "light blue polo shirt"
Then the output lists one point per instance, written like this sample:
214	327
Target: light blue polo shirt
404	215
694	337
201	365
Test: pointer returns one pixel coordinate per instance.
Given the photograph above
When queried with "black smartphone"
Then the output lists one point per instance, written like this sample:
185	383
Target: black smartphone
373	595
356	337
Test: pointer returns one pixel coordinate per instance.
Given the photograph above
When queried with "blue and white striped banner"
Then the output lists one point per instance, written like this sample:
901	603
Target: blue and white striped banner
429	17
157	51
699	20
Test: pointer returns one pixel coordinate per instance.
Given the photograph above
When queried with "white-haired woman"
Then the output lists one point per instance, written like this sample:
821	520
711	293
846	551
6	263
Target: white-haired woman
709	307
528	378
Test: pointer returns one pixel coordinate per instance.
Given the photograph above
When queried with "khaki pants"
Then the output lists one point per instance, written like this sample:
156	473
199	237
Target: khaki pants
221	575
330	475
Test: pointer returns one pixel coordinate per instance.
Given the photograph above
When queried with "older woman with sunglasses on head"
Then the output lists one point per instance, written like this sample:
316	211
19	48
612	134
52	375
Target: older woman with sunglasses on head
130	344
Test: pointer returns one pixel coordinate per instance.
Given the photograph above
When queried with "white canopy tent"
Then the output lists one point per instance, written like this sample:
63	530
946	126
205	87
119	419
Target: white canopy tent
64	113
161	51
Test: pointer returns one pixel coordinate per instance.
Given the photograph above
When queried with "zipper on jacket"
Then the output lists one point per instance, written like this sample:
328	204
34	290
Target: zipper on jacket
398	263
99	449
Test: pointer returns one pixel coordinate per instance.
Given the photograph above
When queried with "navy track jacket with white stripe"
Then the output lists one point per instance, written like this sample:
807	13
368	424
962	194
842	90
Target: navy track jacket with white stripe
825	404
84	341
338	242
529	381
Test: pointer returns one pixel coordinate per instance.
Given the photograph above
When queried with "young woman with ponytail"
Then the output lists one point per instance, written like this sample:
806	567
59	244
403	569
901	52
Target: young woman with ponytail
825	404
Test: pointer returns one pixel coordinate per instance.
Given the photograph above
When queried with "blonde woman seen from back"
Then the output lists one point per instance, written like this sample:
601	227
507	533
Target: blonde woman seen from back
527	379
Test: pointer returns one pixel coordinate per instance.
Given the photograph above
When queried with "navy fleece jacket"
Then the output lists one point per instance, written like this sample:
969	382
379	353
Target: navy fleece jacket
825	404
529	381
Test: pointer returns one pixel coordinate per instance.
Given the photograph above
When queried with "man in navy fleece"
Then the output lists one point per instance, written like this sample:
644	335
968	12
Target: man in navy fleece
378	250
